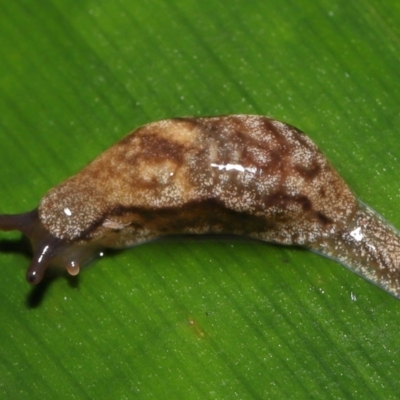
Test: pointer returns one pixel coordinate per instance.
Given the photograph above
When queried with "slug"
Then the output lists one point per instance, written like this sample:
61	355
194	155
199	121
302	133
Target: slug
245	175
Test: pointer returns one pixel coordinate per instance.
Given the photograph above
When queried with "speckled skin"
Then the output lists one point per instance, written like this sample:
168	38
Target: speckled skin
238	174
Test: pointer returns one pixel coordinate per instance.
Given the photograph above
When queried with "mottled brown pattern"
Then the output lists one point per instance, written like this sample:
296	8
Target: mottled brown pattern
238	174
308	172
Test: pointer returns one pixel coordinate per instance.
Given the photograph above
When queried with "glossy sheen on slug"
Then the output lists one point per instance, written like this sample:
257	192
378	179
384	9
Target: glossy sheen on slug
237	174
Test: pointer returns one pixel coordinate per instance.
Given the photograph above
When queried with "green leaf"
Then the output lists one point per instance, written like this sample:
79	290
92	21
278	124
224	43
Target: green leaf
196	319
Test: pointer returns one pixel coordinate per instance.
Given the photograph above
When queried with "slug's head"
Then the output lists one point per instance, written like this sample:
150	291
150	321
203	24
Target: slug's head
47	248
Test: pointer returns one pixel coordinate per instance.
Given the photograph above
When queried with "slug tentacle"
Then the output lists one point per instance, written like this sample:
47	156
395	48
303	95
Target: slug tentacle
236	174
47	249
24	222
41	240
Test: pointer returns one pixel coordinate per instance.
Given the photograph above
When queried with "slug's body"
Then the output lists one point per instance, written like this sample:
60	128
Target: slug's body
239	174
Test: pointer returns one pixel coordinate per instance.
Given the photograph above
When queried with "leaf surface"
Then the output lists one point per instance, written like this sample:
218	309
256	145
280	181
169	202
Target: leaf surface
197	319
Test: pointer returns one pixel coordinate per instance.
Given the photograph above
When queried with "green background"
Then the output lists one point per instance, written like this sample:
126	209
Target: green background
197	319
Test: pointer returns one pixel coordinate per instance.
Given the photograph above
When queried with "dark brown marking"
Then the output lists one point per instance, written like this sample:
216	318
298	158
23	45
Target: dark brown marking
308	172
304	201
156	148
323	219
209	213
282	201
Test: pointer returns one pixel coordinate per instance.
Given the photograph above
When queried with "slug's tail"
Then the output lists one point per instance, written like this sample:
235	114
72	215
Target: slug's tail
44	244
370	247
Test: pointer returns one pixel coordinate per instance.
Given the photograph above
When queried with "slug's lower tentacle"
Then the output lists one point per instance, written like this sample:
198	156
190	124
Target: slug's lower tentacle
73	268
47	249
